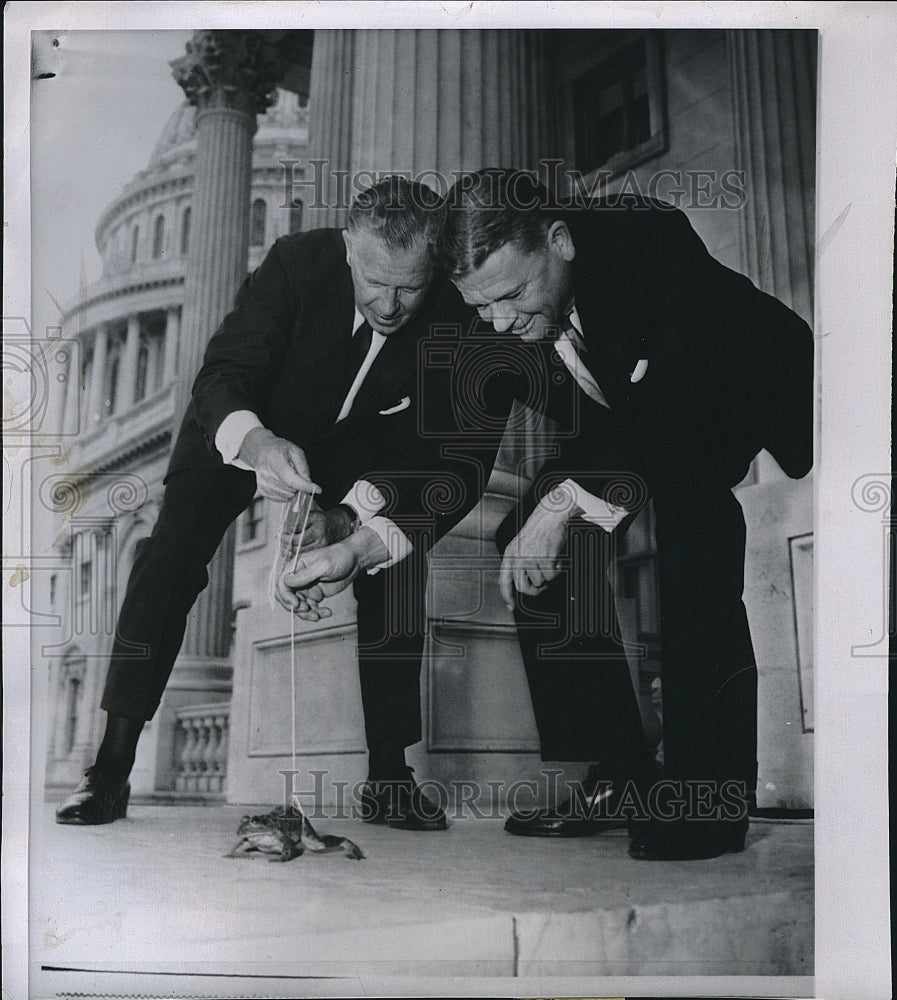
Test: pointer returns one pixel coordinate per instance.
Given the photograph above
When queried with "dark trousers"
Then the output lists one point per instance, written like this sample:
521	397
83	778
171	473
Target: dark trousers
583	700
581	688
169	573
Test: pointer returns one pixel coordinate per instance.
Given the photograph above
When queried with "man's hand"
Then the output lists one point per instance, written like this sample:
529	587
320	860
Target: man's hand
324	527
532	559
328	571
279	465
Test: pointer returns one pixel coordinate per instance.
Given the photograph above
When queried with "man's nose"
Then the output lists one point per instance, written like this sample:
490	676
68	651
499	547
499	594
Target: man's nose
501	319
389	301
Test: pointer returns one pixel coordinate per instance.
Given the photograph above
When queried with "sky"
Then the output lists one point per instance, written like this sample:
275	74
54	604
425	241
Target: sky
93	127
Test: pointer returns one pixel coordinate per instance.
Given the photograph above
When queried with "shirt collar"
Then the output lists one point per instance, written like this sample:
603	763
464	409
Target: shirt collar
358	320
574	333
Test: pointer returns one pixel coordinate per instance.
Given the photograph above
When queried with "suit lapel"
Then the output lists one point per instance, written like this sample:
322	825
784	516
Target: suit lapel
614	331
331	336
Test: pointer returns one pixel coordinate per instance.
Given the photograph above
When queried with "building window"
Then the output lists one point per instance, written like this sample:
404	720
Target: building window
142	368
185	231
295	217
85	579
257	224
615	106
53	584
72	693
113	385
135	238
158	236
252	531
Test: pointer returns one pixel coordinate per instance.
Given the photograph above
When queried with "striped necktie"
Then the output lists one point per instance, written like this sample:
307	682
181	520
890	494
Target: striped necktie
568	346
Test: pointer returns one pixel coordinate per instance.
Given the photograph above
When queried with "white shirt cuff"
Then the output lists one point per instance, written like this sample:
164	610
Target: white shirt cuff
594	509
365	499
230	434
397	543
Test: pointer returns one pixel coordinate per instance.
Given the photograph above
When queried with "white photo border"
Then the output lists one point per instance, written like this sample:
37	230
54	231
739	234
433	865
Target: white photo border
856	143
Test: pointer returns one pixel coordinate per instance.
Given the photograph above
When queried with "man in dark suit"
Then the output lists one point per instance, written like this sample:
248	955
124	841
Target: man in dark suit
310	381
680	372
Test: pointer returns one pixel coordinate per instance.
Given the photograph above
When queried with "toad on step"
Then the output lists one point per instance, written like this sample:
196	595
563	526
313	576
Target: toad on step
286	835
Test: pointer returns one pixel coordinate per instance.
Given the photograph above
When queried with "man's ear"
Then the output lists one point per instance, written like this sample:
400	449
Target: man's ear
347	239
560	240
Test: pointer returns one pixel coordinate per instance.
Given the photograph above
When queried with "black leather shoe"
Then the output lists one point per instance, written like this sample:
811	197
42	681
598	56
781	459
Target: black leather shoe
95	801
589	810
399	803
686	840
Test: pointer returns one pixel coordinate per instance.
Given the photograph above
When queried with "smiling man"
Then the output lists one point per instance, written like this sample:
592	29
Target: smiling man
311	380
681	371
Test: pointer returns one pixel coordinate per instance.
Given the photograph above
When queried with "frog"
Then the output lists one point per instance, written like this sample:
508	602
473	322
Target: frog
286	834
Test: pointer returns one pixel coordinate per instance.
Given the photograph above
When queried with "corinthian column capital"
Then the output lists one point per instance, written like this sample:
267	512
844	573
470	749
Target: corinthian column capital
235	70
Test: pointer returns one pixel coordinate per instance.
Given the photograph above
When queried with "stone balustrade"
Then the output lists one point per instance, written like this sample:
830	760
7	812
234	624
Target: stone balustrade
201	749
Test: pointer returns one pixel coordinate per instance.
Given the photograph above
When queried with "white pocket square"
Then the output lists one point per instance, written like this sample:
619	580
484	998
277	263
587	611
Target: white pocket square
402	404
638	373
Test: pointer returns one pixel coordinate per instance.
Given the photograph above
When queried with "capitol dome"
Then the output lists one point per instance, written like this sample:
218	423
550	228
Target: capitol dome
179	131
143	238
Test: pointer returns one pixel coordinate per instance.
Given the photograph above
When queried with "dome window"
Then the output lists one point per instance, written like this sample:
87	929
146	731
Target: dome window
135	238
185	231
158	236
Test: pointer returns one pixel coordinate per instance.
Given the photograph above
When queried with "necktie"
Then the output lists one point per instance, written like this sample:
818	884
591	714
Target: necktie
358	351
565	347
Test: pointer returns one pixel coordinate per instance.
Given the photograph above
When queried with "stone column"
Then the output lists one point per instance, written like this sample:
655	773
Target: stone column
423	100
96	402
127	369
172	337
330	129
230	77
773	77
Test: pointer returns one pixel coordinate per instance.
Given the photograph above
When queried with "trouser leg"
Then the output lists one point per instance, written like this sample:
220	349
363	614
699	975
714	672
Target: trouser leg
391	625
709	672
580	684
168	574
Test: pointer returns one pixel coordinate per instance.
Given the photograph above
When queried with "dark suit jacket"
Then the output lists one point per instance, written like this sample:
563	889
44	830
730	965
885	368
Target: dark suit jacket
730	369
282	353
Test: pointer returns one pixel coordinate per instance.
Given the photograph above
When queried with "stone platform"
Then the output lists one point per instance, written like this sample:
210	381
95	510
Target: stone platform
149	904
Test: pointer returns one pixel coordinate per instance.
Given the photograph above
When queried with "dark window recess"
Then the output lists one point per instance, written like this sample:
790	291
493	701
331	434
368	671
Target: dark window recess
142	367
185	231
113	384
158	237
612	108
73	691
86	578
257	226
